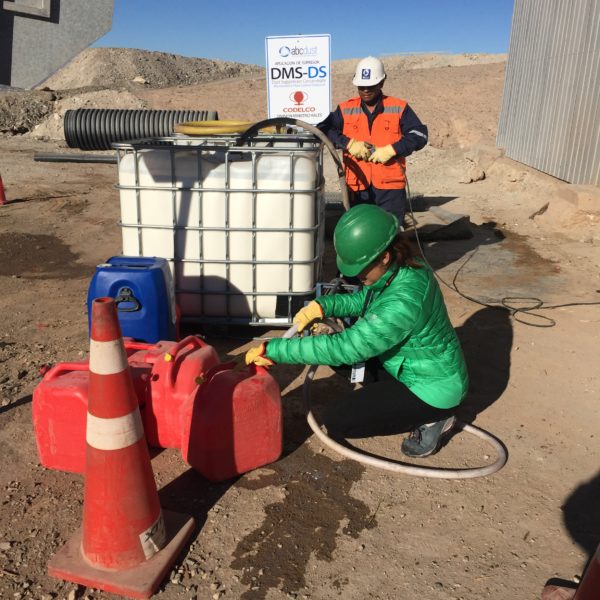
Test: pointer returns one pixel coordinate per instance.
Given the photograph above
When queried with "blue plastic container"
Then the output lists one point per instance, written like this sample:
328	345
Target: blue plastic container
143	290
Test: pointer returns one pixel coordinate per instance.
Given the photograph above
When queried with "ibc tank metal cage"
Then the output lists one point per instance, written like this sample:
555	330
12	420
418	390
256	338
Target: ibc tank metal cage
242	226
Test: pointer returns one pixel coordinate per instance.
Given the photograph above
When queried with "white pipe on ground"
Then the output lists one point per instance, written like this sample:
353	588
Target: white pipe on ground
396	466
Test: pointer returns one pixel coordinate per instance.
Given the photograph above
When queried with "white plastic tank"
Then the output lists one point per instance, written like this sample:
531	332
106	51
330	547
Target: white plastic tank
218	216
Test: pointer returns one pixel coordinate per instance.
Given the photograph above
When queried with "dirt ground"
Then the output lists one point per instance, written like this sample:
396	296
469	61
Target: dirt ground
315	525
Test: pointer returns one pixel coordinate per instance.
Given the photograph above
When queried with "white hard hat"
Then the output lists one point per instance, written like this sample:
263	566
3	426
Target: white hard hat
369	71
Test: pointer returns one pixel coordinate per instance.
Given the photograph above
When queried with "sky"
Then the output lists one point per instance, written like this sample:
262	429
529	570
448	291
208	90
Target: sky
235	30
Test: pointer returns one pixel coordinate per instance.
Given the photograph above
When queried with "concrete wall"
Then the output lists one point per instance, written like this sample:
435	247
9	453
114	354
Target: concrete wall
37	37
550	117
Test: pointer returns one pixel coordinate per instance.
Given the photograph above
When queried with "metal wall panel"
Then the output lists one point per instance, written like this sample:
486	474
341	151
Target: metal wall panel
33	46
550	116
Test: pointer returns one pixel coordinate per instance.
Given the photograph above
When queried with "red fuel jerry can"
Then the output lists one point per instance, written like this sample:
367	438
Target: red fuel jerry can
59	411
176	370
234	424
164	376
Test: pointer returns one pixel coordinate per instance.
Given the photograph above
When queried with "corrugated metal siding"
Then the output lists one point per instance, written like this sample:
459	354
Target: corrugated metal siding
550	116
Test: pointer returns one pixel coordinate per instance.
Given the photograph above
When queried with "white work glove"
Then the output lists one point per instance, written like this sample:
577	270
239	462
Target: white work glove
382	154
358	149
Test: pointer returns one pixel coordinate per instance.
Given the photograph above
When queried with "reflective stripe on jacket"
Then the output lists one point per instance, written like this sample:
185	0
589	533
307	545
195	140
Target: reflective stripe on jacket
385	130
405	324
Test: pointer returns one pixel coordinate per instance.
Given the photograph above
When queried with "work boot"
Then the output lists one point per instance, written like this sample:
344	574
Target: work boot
425	440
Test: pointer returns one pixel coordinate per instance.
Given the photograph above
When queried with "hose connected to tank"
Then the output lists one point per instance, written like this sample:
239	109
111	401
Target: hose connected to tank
249	130
396	466
252	131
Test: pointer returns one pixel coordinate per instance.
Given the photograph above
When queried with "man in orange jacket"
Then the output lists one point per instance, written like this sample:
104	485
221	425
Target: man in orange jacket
376	133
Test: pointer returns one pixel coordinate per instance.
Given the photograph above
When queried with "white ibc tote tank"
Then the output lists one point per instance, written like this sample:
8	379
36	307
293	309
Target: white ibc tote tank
241	227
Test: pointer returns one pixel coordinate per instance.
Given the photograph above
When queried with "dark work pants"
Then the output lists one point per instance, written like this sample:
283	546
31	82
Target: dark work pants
383	406
393	201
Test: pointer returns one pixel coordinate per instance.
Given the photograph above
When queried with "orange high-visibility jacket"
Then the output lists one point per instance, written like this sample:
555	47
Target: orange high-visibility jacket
360	174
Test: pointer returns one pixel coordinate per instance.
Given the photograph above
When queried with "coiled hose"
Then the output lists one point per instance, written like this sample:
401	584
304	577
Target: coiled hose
99	128
212	127
396	466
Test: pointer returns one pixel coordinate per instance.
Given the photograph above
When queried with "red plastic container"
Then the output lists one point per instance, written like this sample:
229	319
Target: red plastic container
234	423
177	369
164	377
59	411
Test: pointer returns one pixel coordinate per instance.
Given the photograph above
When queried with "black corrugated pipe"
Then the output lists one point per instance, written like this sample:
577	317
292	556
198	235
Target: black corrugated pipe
98	128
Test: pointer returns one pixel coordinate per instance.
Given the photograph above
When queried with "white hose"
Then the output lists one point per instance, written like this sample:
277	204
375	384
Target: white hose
396	466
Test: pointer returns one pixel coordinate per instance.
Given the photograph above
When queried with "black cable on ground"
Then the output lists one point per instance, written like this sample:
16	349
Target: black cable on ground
506	303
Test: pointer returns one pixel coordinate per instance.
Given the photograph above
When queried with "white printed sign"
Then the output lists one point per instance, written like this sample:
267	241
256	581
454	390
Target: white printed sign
299	77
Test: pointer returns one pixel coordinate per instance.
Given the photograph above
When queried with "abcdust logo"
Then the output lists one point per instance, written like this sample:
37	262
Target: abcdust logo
285	51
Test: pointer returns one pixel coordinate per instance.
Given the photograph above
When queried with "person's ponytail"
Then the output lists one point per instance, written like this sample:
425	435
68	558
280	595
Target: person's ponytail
404	252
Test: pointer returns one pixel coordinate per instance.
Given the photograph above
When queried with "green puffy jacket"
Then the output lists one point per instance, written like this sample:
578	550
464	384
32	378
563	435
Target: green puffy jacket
404	323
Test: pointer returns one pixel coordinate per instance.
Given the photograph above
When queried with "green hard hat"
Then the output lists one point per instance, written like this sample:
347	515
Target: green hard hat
361	235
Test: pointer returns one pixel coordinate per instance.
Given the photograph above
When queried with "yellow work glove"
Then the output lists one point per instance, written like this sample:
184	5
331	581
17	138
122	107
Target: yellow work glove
358	149
382	154
257	356
307	315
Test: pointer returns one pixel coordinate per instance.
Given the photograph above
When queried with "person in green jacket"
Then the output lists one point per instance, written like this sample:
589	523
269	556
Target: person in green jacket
416	374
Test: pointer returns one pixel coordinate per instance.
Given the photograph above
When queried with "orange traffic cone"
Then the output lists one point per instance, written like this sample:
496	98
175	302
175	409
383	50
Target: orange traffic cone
2	194
127	544
588	589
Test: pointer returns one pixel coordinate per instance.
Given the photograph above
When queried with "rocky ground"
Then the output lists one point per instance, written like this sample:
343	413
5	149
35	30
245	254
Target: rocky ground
314	525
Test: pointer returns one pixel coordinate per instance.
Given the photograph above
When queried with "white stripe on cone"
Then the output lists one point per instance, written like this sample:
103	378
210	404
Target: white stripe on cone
116	433
107	358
